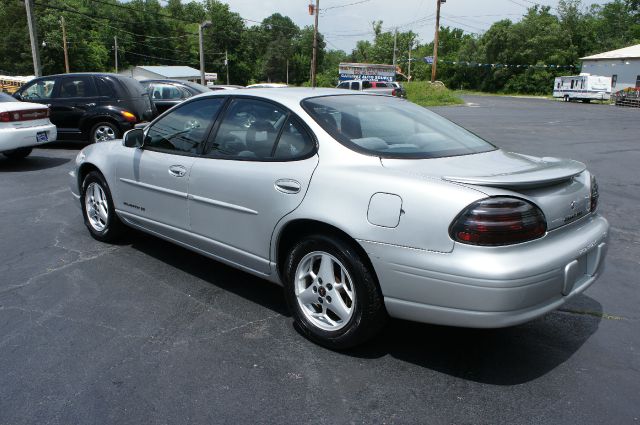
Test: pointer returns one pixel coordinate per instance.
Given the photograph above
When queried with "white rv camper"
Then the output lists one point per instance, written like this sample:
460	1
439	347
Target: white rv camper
583	87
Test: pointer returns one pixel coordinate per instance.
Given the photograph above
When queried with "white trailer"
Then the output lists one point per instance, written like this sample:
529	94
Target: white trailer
585	87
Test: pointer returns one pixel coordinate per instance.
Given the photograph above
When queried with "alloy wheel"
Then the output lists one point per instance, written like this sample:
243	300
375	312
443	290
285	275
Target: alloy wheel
96	206
324	291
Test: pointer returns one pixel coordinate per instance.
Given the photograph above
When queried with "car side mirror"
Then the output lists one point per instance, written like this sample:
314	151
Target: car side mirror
133	138
17	96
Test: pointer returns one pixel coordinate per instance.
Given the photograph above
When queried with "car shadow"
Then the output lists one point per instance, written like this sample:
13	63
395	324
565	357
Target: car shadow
245	285
507	356
31	163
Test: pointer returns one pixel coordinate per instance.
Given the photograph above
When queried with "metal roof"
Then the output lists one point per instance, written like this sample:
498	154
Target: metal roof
173	71
624	53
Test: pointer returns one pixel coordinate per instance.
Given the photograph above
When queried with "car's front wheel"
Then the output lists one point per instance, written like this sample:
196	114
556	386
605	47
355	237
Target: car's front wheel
332	293
98	209
19	153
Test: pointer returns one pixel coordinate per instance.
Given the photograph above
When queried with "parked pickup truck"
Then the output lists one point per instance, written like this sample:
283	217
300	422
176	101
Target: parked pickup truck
379	87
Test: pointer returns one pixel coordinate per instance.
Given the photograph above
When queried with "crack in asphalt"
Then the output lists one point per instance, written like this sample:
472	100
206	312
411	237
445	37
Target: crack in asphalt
597	314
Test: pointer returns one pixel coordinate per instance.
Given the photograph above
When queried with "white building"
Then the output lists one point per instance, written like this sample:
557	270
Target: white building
622	65
185	73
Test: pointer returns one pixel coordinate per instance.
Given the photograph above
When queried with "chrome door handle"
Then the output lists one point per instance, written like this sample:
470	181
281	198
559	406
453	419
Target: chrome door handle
90	104
177	170
289	186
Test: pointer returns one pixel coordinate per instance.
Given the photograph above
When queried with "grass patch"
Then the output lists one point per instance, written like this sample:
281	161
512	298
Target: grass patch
424	94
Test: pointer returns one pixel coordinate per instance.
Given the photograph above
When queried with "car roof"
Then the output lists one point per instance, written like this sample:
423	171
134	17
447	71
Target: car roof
286	95
291	97
73	74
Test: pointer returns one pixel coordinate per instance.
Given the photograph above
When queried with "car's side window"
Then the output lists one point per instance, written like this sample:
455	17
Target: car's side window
42	89
343	86
105	88
294	142
166	92
81	86
185	129
248	130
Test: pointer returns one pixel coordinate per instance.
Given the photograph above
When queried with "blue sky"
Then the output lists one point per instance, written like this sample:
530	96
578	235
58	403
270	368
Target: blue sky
344	26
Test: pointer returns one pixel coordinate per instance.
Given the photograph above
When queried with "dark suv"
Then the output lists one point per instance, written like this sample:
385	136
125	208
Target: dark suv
91	106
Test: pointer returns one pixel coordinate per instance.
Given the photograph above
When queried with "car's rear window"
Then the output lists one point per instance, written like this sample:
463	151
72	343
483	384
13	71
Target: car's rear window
391	128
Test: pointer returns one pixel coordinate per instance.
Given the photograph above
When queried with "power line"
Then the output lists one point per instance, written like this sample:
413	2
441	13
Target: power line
98	18
121	6
344	5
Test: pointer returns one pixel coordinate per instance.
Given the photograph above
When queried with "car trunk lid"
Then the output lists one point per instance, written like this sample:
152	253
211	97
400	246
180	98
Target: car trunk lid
559	187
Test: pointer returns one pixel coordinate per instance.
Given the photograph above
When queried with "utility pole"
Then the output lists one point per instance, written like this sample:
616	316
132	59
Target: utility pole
314	59
435	43
33	35
409	67
201	28
395	40
287	71
226	63
115	48
64	45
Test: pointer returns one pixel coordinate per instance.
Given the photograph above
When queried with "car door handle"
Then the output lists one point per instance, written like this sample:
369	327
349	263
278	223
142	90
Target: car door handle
177	170
289	186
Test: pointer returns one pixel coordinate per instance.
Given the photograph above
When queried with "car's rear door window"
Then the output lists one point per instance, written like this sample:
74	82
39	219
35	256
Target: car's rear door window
249	130
294	142
80	86
105	89
184	130
166	92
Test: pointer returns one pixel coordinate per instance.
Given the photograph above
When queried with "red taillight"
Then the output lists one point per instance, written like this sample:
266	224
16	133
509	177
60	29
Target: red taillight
28	115
498	221
393	92
594	193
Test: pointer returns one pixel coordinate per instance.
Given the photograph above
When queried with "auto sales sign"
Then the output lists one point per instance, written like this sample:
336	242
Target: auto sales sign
366	71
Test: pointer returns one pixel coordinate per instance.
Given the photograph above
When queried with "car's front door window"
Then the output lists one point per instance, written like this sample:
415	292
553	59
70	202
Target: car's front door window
183	130
42	89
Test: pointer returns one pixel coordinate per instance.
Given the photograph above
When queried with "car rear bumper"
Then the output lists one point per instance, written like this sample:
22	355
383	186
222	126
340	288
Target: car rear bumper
490	287
14	138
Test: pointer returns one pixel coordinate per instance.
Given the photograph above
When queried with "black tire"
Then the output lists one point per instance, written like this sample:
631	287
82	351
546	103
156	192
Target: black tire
566	98
114	228
19	153
369	314
104	124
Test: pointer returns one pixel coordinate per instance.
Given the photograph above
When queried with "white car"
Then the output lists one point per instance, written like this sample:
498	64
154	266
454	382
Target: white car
23	125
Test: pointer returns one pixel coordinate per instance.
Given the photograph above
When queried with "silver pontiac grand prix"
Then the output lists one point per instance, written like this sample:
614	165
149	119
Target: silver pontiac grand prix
361	206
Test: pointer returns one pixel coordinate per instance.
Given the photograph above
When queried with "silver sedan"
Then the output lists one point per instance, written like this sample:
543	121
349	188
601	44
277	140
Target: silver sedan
361	206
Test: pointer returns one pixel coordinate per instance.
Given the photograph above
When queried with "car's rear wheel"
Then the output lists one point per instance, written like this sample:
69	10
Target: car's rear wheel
103	132
332	293
19	153
98	209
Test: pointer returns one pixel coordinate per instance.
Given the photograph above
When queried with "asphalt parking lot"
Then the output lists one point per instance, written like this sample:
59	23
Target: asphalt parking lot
147	332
